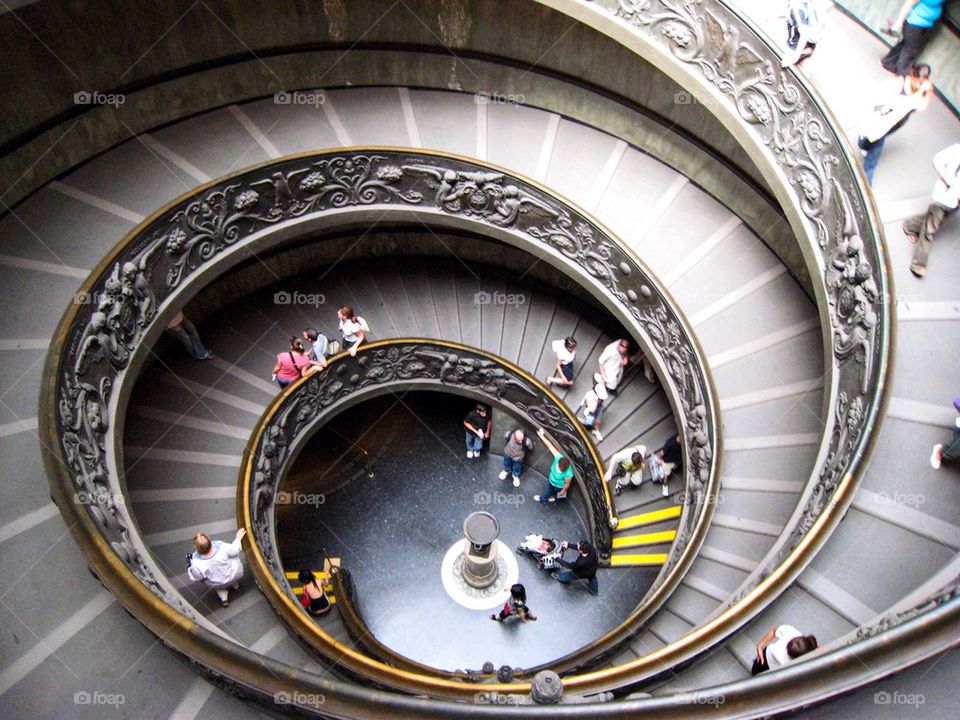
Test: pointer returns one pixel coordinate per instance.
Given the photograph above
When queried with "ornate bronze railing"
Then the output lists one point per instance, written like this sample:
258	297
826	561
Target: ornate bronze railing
100	347
800	150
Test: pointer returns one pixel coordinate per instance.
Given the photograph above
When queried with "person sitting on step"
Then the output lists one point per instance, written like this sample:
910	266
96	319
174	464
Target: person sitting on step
314	599
627	466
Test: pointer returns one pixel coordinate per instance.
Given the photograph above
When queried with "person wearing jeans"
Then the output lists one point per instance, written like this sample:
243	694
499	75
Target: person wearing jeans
583	568
948	453
476	427
186	332
561	474
513	453
921	229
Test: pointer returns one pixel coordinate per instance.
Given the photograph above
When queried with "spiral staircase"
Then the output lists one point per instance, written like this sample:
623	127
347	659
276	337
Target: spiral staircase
758	320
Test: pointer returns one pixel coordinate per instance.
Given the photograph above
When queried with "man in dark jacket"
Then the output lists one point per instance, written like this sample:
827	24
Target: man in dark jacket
584	567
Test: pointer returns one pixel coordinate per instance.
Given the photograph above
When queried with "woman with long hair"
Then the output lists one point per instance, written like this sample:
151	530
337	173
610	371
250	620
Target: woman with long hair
290	364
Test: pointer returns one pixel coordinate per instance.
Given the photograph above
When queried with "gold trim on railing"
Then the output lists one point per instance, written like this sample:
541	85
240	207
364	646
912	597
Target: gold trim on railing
293	613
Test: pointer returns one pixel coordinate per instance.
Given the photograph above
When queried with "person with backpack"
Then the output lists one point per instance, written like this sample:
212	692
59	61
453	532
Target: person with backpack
290	364
353	329
591	407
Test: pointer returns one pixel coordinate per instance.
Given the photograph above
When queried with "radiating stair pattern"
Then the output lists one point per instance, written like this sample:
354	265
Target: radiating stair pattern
189	422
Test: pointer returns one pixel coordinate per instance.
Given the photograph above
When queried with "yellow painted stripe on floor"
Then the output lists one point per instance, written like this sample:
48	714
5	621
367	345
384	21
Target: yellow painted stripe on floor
625	560
648	518
654	538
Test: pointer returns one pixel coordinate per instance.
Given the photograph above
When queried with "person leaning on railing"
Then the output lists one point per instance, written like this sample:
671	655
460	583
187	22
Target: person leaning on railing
561	473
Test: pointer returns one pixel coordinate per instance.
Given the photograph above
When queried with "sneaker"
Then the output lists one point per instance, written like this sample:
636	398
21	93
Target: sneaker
957	423
597	378
617	489
495	617
665	490
553	498
536	498
469	454
516	481
936	457
597	435
918	270
503	474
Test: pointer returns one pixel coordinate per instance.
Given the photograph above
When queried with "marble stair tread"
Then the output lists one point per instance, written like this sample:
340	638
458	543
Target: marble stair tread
493	283
373	115
216	144
293	127
579	156
447	121
637	183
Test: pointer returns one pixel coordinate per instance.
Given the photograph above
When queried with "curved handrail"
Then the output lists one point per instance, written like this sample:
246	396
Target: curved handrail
101	347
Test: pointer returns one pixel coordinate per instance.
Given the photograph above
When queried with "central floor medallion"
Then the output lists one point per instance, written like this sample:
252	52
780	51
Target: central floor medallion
474	598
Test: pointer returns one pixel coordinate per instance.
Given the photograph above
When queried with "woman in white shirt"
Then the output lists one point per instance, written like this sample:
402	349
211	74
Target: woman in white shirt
779	646
566	351
351	329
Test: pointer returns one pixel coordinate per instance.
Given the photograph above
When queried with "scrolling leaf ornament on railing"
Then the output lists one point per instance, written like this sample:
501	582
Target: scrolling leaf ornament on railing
455	368
707	36
158	261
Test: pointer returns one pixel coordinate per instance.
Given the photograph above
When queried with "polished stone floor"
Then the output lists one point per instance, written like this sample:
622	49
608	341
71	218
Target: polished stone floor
399	502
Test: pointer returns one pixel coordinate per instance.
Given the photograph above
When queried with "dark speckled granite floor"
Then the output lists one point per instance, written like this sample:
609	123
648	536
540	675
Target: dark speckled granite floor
393	528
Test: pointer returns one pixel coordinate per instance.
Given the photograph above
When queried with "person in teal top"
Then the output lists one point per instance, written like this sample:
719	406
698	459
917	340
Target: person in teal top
561	473
915	20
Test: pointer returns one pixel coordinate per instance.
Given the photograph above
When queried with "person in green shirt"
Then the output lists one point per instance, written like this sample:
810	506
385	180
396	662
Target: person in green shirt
561	473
